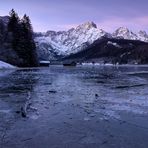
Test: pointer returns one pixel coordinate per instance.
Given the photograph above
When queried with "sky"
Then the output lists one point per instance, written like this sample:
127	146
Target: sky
65	14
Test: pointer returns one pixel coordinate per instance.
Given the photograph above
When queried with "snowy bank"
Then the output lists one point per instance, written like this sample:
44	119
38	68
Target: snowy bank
4	65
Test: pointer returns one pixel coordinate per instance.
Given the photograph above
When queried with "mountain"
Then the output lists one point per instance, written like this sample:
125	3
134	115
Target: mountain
143	36
107	50
68	42
125	33
85	38
52	45
4	19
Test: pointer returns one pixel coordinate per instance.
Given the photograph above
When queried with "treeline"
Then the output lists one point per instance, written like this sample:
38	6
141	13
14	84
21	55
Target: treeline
19	34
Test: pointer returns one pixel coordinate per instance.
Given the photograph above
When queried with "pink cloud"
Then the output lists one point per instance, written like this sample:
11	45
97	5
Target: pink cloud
110	24
134	24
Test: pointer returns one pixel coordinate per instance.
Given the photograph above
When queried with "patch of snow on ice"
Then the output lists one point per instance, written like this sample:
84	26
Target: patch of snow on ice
4	111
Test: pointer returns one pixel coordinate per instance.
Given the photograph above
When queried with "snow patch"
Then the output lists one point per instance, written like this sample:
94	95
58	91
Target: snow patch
4	65
114	44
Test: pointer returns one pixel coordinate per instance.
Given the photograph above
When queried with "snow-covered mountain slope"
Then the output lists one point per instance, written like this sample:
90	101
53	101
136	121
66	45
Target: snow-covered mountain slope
52	44
143	36
125	33
71	41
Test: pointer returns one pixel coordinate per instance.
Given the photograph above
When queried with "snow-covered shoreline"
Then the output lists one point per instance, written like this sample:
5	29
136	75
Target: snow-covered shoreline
109	64
4	65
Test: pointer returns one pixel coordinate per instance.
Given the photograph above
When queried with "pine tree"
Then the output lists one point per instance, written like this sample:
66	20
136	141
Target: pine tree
2	32
13	28
26	47
27	22
13	21
27	41
22	39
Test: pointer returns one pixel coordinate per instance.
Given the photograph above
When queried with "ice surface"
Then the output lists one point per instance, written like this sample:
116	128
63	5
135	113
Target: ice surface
86	107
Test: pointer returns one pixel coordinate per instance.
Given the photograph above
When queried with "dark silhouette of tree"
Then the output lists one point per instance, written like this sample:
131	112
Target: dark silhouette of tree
13	21
2	32
22	39
26	43
13	28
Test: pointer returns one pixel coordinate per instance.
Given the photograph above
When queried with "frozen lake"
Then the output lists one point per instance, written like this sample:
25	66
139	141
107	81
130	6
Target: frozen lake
77	107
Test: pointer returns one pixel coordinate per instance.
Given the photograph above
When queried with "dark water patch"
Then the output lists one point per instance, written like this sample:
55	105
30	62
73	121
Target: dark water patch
130	86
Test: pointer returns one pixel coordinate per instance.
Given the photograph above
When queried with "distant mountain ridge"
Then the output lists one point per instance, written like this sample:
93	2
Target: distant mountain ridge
125	33
53	45
77	39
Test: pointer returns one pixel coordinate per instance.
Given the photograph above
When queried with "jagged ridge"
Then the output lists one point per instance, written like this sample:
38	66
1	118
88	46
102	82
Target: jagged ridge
71	41
79	38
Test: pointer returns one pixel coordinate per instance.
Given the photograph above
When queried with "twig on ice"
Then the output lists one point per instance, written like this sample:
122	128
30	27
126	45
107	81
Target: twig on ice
26	106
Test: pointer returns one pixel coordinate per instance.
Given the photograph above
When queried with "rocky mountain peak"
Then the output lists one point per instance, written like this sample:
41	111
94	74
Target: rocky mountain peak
125	33
143	33
122	30
87	25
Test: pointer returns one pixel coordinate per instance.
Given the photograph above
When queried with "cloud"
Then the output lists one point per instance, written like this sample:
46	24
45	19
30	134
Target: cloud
109	24
66	26
113	23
